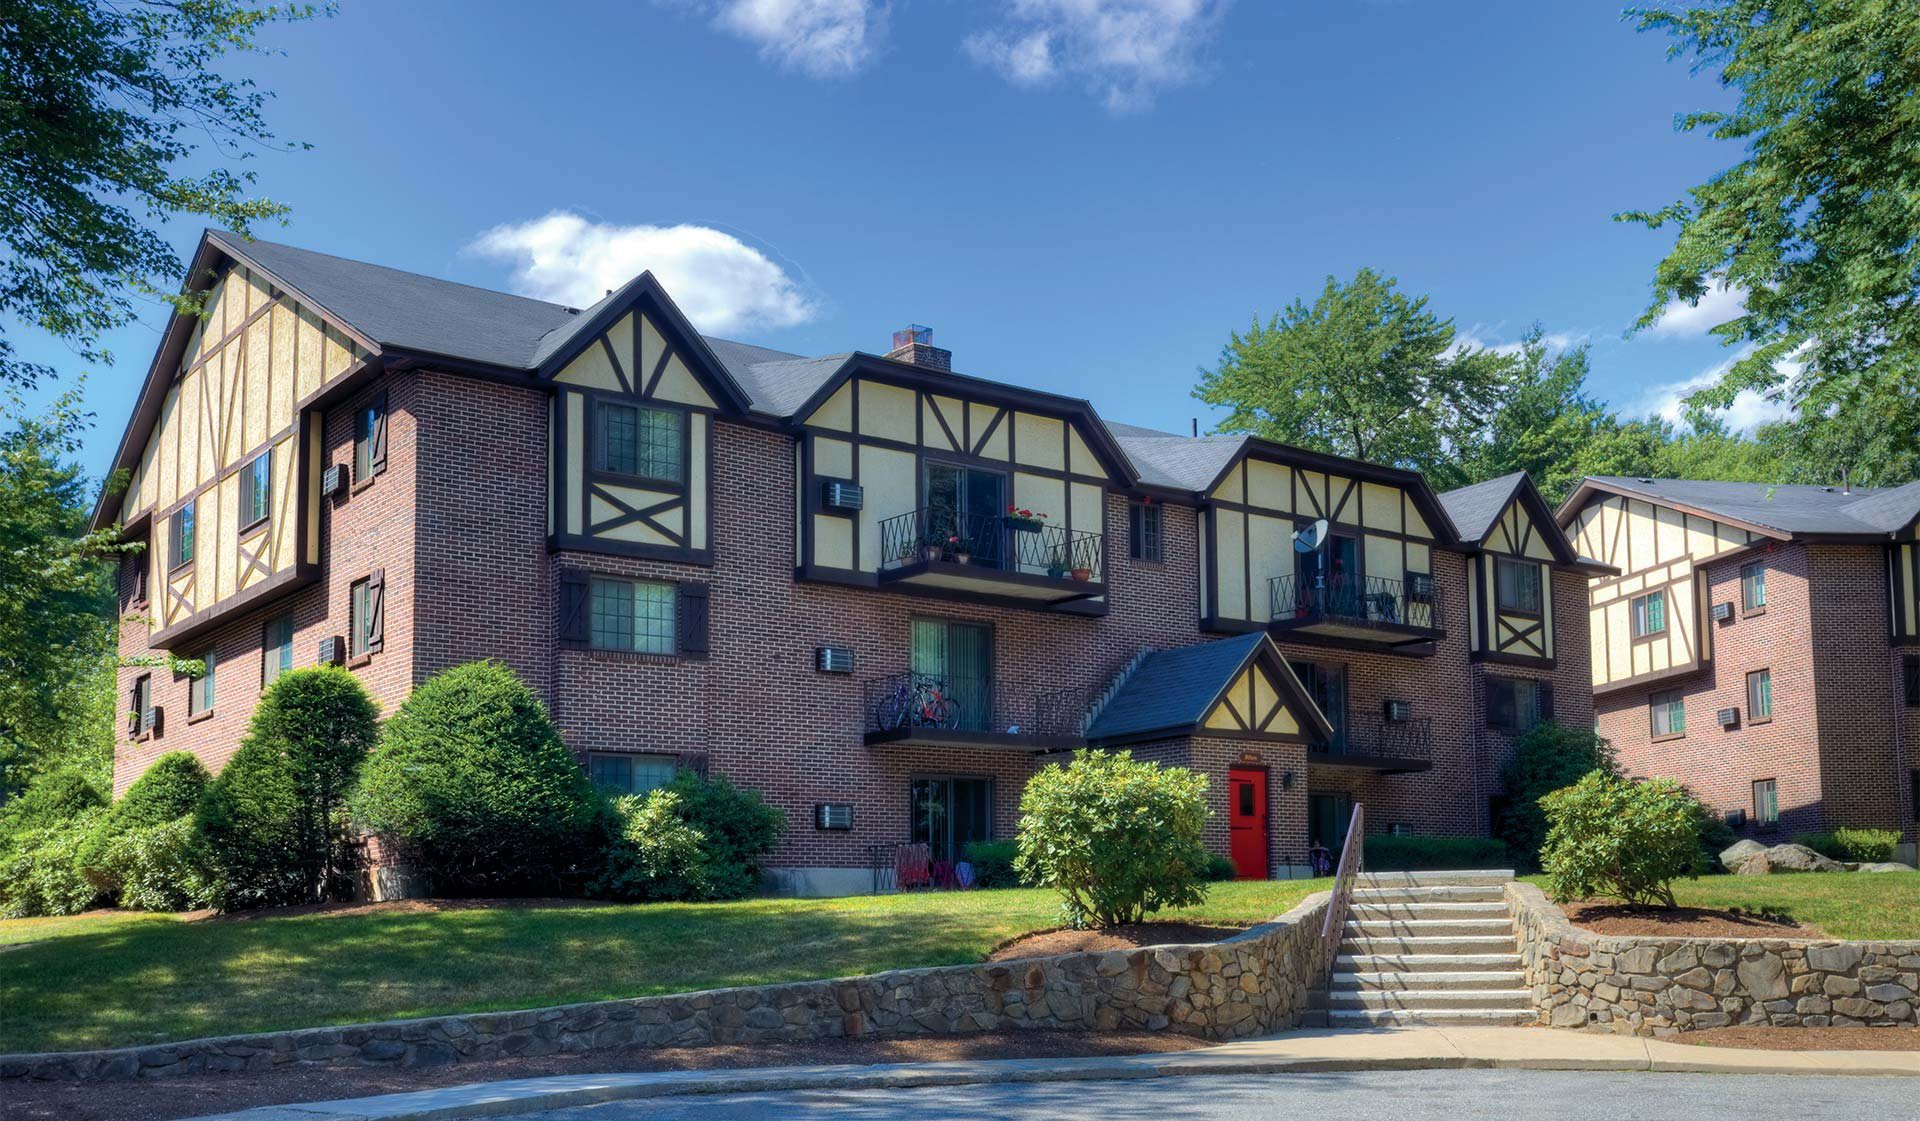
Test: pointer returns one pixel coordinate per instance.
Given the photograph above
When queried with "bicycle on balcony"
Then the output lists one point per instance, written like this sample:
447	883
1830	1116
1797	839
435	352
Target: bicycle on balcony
916	702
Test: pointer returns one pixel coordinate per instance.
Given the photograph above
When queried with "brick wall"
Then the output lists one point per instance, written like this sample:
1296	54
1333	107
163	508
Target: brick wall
1863	767
371	528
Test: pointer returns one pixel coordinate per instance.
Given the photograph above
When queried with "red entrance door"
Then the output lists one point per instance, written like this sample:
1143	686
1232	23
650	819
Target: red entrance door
1247	822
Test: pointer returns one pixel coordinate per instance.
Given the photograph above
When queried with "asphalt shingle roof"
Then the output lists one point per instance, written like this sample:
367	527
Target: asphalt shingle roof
1474	508
1173	688
1183	462
1789	509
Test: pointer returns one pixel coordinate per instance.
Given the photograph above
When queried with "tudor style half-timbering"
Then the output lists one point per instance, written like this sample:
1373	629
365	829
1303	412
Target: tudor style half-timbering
1510	596
878	591
1737	649
949	487
1369	581
224	484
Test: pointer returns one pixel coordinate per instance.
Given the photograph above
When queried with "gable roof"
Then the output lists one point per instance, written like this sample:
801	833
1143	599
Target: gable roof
1476	509
1171	691
1782	512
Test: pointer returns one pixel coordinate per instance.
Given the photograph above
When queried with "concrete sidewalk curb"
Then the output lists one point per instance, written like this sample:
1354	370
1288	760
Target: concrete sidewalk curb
1296	1052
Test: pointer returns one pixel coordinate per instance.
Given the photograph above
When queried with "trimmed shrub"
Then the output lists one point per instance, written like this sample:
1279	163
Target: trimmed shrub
52	798
1716	836
1610	836
738	827
1414	854
472	780
274	818
654	854
1220	869
169	790
1117	837
993	863
40	870
1545	759
161	867
1860	846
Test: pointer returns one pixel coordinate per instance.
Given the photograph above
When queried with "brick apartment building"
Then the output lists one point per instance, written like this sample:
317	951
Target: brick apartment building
1760	644
814	575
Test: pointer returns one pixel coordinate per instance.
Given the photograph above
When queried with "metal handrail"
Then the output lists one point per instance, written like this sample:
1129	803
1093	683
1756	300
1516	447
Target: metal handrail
1372	599
1388	739
991	541
1352	862
907	700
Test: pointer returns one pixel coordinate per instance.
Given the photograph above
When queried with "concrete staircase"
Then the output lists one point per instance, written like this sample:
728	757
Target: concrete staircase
1426	948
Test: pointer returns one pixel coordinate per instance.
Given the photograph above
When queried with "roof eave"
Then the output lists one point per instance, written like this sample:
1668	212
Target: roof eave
1591	486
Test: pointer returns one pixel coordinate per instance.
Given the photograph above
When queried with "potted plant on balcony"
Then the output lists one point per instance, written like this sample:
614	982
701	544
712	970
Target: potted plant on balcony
1024	520
962	552
931	549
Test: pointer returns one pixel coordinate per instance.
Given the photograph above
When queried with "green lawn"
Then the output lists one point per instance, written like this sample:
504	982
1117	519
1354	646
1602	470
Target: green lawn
112	980
1863	906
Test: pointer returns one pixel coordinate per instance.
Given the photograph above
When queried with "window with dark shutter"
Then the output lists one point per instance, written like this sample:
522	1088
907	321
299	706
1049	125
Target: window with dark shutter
574	586
1543	702
692	618
376	610
370	439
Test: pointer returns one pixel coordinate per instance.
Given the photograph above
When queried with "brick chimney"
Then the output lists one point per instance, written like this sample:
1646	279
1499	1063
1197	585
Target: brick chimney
913	344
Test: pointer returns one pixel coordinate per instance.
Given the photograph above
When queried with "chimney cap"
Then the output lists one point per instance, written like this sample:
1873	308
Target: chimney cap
911	334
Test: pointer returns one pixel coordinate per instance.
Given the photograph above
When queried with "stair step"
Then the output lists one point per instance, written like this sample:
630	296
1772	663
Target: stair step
1424	963
1456	893
1373	910
1512	1000
1465	877
1492	926
1402	1017
1427	981
1434	944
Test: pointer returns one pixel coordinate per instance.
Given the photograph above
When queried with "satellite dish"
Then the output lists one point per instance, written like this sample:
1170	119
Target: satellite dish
1311	538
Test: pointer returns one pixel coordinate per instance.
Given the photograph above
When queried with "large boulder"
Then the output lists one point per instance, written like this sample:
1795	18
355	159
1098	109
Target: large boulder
1887	866
1736	854
1787	858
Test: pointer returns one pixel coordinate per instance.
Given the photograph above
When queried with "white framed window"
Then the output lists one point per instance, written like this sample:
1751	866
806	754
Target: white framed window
1650	614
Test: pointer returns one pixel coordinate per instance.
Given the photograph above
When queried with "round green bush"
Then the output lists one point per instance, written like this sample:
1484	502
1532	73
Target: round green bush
170	789
473	782
1118	838
738	827
40	871
158	867
52	798
274	818
1611	836
654	854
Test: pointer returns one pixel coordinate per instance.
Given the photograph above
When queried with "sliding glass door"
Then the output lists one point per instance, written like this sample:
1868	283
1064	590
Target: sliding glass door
967	505
959	657
948	814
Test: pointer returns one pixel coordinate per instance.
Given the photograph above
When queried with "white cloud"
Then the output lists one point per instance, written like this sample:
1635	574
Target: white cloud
722	283
1125	50
1748	412
819	38
1473	338
1681	320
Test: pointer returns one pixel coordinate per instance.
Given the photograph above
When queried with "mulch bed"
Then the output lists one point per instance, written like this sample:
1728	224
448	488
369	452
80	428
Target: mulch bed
161	1099
1807	1039
1048	942
1685	922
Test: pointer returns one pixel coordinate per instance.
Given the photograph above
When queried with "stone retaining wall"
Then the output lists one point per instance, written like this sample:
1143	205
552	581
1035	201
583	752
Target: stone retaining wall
1253	983
1634	985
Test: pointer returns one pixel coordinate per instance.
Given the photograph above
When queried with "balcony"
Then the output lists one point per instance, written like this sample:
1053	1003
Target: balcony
1368	610
1389	748
991	556
929	711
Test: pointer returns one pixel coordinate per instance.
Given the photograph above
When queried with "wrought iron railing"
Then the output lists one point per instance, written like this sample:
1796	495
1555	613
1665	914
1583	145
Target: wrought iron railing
1369	599
1388	739
906	702
1352	860
990	541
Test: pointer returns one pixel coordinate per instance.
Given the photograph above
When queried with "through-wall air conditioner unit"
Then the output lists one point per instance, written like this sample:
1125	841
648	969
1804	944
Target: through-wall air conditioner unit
1728	717
150	720
333	651
833	659
1398	712
833	815
1420	587
1723	612
333	480
1735	818
844	496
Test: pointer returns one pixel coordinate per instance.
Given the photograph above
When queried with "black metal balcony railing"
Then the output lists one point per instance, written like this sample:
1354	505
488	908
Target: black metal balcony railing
910	702
1366	599
993	542
1386	739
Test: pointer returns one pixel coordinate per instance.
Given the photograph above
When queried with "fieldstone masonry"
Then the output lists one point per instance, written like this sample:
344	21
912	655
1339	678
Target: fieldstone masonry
1251	984
1663	986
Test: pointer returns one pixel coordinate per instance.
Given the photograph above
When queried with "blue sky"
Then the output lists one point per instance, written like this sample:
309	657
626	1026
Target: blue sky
1084	196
